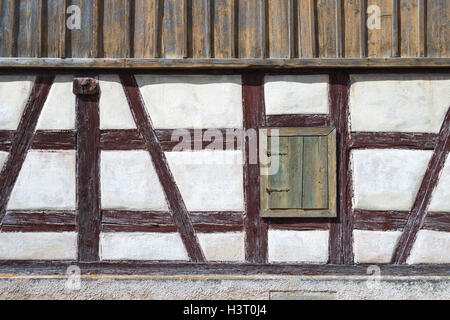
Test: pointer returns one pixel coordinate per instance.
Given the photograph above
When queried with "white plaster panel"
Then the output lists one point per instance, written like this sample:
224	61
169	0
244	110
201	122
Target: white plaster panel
59	108
223	246
298	246
3	157
291	94
38	246
388	179
142	246
209	180
431	247
440	200
14	93
193	101
129	181
114	109
399	103
46	181
374	246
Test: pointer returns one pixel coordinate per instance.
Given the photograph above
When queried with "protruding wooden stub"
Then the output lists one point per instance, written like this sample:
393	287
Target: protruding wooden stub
85	86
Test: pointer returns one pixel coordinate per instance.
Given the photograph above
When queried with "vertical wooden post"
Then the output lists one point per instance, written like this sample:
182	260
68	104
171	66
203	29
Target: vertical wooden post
254	118
341	230
88	168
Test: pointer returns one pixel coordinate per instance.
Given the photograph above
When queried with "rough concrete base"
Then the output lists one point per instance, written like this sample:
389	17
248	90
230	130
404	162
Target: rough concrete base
220	287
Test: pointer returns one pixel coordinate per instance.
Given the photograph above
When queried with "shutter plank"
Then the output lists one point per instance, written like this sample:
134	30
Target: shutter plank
315	180
289	175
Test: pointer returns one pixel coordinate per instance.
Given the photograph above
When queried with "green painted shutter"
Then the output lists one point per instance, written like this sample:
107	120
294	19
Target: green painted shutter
304	182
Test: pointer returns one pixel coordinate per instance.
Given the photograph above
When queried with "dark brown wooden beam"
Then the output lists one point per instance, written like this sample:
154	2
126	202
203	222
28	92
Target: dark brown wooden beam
398	140
157	221
396	220
132	140
88	167
256	230
297	120
416	217
136	268
174	199
300	224
341	230
23	138
39	221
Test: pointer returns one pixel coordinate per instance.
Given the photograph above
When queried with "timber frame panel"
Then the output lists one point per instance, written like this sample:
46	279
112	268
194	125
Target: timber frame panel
256	228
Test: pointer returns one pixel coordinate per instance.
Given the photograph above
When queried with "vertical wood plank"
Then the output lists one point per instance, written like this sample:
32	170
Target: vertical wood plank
29	29
340	26
174	35
421	28
438	43
251	29
201	29
289	175
380	40
352	33
225	28
85	41
88	169
56	28
116	28
306	35
395	28
254	117
7	35
146	28
280	28
315	173
363	28
409	31
326	28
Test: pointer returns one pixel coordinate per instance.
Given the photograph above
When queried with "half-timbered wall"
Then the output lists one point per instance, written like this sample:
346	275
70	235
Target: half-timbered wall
393	176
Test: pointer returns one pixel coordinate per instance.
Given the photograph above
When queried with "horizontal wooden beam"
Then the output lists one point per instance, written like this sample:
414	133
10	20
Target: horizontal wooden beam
157	221
135	268
155	63
131	140
39	221
297	120
121	139
398	140
396	220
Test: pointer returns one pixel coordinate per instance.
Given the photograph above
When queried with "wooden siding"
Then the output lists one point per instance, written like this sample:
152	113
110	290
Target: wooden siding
226	29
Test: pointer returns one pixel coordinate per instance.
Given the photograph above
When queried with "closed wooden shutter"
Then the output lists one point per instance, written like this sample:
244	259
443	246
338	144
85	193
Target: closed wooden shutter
298	175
